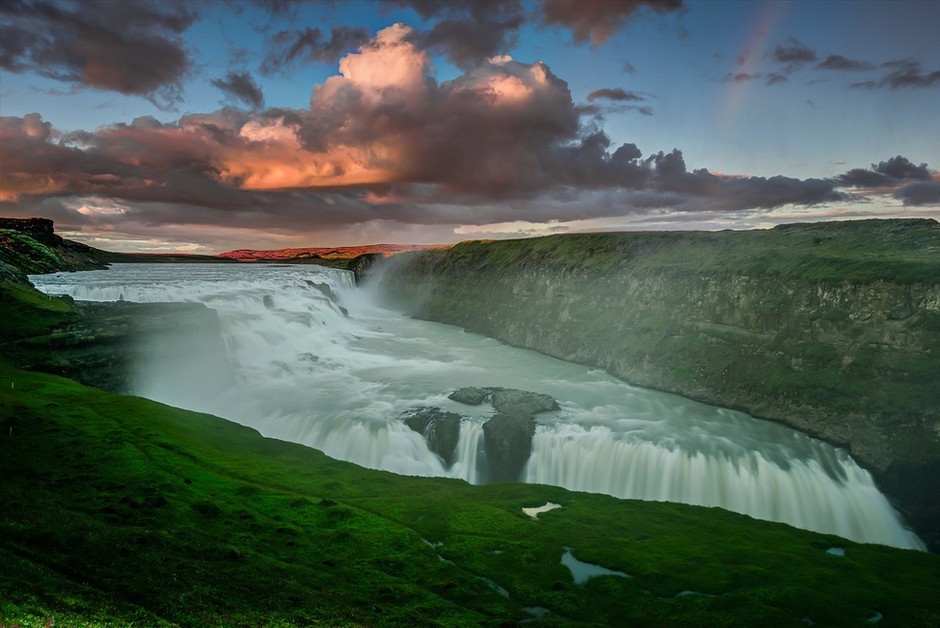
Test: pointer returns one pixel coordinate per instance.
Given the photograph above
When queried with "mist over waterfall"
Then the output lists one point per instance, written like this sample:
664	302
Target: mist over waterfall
312	359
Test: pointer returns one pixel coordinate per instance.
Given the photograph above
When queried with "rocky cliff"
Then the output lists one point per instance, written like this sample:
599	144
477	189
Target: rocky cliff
95	343
831	328
32	245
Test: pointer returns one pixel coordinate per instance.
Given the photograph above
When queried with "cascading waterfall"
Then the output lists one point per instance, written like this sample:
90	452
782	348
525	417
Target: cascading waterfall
315	361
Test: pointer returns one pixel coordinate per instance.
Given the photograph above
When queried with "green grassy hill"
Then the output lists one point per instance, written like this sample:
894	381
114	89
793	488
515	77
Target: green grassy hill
118	511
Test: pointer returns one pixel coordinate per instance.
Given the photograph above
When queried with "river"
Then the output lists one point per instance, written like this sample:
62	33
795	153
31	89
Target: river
315	360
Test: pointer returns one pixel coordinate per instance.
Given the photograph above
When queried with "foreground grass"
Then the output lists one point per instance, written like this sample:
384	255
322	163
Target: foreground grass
119	511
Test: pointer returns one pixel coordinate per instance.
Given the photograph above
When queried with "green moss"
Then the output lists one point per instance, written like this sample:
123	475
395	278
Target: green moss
861	251
120	510
21	250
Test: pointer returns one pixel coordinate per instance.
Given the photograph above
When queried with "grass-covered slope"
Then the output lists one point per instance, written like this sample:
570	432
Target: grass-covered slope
118	510
832	328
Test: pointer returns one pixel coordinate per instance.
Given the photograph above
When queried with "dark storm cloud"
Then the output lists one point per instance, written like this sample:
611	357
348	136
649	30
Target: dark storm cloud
308	44
132	47
597	20
467	32
615	94
794	54
838	62
241	87
382	141
920	193
888	173
903	74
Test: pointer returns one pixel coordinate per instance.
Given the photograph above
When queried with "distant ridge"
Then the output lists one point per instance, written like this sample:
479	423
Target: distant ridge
330	252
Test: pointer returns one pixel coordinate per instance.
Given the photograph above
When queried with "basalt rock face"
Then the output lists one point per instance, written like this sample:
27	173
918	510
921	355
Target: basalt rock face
507	435
108	345
440	429
32	245
117	346
507	439
831	328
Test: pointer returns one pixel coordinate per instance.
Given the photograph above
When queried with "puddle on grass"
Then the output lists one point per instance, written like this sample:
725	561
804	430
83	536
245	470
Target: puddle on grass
690	592
874	619
495	587
582	571
535	512
538	612
836	551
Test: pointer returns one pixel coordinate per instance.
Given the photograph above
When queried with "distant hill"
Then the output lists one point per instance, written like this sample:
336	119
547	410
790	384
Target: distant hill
333	253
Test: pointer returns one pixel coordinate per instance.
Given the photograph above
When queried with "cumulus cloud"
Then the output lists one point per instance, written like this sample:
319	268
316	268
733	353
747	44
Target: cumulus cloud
888	173
382	140
920	193
597	20
131	47
241	87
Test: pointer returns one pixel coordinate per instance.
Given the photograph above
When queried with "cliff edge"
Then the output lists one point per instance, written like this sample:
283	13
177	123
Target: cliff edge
831	328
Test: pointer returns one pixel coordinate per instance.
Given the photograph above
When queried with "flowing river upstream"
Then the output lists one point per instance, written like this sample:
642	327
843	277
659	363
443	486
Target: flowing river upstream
314	360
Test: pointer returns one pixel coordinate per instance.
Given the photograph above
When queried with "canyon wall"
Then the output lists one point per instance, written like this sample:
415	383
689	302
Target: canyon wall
831	328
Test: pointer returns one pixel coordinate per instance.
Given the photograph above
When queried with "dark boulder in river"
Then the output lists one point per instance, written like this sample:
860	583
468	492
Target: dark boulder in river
440	429
507	439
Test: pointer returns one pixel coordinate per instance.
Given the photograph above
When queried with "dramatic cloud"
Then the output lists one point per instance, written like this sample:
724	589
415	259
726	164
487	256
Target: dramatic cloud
241	87
885	174
903	74
383	142
616	94
468	32
597	20
921	193
305	45
838	62
128	47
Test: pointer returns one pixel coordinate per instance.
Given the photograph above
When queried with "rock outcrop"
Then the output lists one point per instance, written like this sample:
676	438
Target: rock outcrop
98	344
831	328
440	429
507	435
32	245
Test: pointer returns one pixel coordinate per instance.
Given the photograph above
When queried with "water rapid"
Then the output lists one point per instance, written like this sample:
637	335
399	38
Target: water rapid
314	360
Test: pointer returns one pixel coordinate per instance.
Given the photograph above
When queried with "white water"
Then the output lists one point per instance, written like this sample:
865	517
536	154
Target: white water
306	372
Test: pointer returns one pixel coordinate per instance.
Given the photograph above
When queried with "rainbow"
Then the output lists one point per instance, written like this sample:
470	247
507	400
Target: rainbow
736	92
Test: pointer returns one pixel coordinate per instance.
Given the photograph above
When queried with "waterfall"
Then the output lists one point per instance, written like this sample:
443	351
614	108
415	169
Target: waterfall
317	362
802	493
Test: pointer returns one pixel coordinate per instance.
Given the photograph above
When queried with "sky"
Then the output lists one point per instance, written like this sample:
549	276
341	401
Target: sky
210	125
